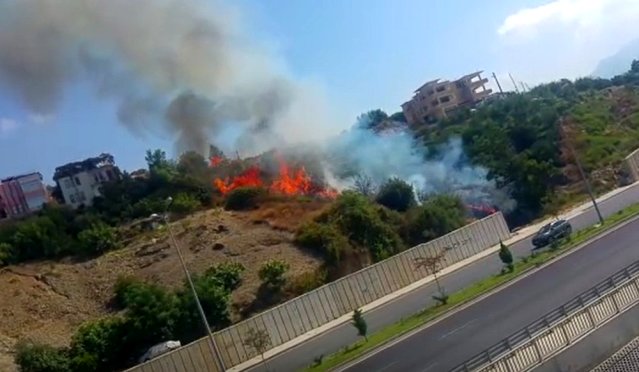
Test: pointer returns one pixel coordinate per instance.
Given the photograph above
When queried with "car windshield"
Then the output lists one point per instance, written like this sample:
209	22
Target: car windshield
544	229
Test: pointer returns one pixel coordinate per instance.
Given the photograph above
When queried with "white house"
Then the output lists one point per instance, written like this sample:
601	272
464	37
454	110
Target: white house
80	182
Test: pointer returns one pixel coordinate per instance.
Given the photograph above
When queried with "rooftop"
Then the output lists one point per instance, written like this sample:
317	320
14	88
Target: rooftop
81	166
15	178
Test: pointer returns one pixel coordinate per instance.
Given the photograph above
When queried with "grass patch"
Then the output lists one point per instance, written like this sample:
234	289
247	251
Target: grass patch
469	293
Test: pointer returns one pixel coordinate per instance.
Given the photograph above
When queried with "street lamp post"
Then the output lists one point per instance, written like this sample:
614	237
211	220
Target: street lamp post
583	174
217	356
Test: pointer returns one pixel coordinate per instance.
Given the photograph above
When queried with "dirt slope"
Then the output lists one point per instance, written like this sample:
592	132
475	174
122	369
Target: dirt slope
46	301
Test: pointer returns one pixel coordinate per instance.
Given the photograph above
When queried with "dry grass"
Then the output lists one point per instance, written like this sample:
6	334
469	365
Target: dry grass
47	301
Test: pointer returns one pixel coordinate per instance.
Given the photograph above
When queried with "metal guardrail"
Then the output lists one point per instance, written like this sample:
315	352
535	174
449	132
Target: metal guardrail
546	323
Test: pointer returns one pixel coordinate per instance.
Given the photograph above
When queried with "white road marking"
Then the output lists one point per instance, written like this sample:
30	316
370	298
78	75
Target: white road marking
458	328
387	367
429	367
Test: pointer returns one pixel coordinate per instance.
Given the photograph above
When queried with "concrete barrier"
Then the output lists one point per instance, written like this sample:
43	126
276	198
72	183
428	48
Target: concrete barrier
331	301
631	165
547	344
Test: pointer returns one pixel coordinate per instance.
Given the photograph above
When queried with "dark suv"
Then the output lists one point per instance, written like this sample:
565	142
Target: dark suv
551	232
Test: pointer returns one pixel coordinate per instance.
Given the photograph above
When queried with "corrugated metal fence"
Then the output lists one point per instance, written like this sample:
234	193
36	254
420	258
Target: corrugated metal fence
537	342
331	301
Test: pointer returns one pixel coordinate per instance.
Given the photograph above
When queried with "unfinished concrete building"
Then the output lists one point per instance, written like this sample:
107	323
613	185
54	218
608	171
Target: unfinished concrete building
437	99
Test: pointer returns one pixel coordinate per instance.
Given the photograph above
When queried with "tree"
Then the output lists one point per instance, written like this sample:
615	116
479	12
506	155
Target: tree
634	66
398	116
433	264
97	239
259	340
228	273
436	216
371	119
363	184
214	299
360	324
396	194
272	274
506	256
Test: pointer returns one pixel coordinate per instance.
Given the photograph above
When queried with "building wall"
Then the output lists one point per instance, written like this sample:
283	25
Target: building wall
82	187
331	301
22	195
437	99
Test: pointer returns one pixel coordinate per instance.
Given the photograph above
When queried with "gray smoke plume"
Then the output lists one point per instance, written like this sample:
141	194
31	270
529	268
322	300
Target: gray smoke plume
170	65
362	152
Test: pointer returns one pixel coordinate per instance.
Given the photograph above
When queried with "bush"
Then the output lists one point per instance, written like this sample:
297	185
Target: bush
214	299
358	218
396	194
436	217
7	254
98	239
32	357
307	282
146	207
185	203
228	273
243	198
272	274
325	239
98	345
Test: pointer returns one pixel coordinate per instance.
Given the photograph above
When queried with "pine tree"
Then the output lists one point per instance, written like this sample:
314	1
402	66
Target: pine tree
506	256
360	323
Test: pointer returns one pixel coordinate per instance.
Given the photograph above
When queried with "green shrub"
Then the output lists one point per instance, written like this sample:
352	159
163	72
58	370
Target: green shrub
214	299
185	203
272	274
98	239
228	273
359	219
32	357
396	194
436	217
307	281
7	254
325	239
243	198
98	345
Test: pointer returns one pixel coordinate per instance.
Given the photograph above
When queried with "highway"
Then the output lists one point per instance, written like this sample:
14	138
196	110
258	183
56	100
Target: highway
464	334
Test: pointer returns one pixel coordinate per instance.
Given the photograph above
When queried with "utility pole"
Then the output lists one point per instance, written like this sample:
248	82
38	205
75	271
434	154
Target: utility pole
217	355
523	86
498	85
581	171
514	83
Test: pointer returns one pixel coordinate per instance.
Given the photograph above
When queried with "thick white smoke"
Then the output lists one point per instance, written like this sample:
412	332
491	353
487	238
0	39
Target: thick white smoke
362	152
177	65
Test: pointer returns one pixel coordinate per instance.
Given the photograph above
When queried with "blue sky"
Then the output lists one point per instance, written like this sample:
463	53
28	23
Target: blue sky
364	54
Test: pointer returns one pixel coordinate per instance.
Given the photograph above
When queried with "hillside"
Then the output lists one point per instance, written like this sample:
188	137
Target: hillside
49	300
618	63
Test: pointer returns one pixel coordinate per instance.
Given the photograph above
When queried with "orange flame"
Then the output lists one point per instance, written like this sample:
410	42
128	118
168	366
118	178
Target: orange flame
215	161
288	182
248	178
299	184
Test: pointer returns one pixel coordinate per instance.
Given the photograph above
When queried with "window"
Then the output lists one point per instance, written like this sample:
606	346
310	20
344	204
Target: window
72	198
444	99
68	183
110	175
77	180
441	88
434	103
81	196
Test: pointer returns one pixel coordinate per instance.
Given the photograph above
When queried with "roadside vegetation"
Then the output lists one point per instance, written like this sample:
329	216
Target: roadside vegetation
520	266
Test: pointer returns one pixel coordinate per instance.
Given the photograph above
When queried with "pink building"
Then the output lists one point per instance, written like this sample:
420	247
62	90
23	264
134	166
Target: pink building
21	195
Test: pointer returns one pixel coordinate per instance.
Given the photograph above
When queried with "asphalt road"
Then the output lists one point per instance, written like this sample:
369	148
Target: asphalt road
455	339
